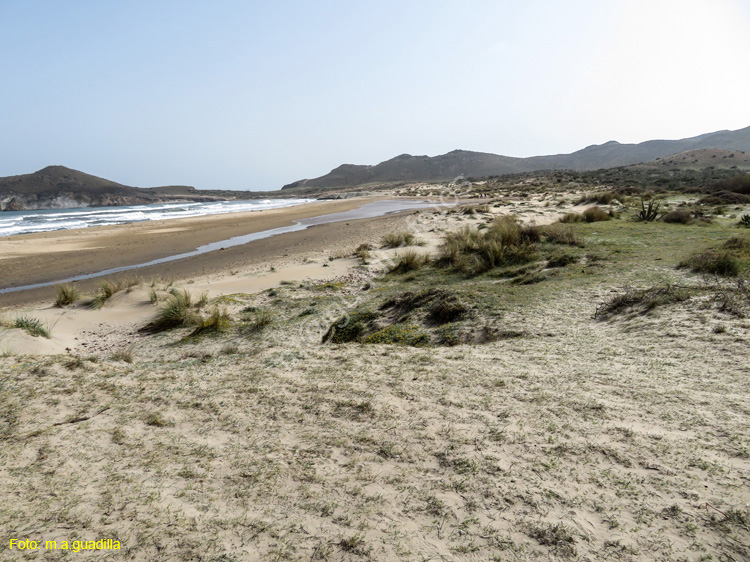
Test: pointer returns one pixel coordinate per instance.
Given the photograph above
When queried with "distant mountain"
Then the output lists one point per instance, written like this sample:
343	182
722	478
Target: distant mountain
58	187
479	164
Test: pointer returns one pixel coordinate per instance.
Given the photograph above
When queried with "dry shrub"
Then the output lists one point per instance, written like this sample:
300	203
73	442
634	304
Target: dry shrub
678	216
561	234
596	214
712	263
409	260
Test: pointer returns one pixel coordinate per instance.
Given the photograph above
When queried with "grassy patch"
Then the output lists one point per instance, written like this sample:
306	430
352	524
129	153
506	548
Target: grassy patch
409	260
32	326
641	301
66	295
107	289
174	313
712	263
401	239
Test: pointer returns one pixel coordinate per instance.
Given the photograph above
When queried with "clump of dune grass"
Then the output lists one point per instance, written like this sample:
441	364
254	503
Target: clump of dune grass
260	320
571	218
504	242
125	354
678	216
409	260
712	263
363	253
401	239
32	326
596	214
601	198
641	300
174	313
217	322
106	290
153	295
560	234
67	295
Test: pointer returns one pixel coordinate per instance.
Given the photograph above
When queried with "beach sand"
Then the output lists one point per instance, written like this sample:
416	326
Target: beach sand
566	437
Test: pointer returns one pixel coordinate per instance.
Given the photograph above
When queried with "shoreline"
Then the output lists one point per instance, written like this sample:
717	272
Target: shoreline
36	258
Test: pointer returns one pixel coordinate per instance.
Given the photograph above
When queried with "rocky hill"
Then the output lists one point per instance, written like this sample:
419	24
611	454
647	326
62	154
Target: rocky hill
58	187
478	164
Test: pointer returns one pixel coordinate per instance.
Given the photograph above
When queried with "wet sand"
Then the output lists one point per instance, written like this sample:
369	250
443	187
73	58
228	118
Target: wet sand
43	257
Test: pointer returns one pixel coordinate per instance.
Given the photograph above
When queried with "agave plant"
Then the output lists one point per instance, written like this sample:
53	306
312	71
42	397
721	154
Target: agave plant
648	214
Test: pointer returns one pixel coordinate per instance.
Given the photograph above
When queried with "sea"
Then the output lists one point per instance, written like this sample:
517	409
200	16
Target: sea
45	220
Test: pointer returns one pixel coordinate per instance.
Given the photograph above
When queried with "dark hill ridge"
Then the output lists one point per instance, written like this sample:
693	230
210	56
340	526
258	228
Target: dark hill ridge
478	164
58	187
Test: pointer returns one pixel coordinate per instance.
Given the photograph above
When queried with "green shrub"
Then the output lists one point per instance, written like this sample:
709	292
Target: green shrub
349	328
596	214
711	262
66	295
403	334
744	221
32	326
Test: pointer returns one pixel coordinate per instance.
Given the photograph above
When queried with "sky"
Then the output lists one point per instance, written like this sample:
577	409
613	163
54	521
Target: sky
242	94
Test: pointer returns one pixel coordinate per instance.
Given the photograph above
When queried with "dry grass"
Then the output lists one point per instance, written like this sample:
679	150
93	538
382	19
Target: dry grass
67	295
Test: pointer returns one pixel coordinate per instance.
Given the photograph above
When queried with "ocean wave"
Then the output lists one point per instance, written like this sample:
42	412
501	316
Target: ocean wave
27	222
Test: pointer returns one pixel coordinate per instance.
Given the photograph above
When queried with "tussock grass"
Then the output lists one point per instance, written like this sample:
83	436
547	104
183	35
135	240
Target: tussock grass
107	289
712	263
641	300
32	326
568	218
174	313
401	239
125	354
596	214
409	260
260	320
600	198
678	216
218	321
67	295
561	234
505	242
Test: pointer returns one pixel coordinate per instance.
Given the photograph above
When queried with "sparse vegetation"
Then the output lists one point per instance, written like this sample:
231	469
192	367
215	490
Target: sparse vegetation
174	313
473	251
596	214
713	263
409	260
648	213
678	216
401	239
67	295
107	289
32	326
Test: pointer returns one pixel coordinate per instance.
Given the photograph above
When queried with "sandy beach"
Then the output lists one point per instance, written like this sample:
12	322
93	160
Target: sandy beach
486	417
42	257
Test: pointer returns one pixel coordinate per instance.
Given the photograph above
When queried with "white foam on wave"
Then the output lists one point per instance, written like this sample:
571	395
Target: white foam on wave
26	222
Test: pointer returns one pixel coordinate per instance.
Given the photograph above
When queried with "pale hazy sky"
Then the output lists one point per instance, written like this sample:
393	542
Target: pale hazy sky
239	94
